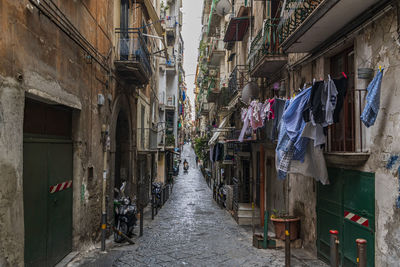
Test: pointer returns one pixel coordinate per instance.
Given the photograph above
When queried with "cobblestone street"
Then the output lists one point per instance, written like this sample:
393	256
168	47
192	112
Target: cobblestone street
191	230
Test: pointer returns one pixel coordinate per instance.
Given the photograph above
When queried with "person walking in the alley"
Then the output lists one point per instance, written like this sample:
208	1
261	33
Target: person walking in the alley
197	161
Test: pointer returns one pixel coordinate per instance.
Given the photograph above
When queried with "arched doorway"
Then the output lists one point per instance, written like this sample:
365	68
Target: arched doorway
122	151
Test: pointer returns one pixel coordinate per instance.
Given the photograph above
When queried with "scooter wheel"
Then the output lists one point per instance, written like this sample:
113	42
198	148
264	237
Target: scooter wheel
122	227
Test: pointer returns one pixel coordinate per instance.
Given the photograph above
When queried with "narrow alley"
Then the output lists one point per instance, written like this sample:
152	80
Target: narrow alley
285	110
192	230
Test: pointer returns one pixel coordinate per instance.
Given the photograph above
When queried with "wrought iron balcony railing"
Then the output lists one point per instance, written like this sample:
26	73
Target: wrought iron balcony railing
216	50
295	13
266	43
169	21
238	78
131	48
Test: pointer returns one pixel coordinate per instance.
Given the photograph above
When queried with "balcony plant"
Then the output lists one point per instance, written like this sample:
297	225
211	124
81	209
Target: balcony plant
279	218
200	147
170	140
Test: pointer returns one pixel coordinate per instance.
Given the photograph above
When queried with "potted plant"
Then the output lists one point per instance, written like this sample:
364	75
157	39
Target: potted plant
279	218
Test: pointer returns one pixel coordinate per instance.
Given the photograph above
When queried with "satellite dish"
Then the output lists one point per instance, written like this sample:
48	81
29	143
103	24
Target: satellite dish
223	8
250	92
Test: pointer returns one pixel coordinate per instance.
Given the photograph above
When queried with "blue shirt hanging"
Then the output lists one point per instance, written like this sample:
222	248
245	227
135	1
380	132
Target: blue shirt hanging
371	109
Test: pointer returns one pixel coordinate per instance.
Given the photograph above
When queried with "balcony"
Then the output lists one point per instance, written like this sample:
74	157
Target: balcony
169	23
266	56
214	90
132	61
307	24
170	141
216	52
170	104
238	78
169	65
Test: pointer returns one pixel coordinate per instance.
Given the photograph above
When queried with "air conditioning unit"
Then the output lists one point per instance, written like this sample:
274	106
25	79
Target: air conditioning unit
213	73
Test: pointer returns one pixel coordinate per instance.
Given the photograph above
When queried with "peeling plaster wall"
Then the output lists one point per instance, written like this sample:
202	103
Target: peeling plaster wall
302	202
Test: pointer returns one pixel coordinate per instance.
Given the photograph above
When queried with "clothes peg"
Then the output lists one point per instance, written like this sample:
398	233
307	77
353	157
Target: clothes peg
344	74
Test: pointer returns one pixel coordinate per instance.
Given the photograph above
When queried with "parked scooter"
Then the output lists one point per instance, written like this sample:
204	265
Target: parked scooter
222	195
124	214
156	191
176	170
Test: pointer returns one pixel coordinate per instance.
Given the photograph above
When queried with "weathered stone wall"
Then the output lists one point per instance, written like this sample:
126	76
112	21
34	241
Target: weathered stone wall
11	191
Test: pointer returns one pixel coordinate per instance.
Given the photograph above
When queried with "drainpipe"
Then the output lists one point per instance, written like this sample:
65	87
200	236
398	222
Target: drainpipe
251	20
106	148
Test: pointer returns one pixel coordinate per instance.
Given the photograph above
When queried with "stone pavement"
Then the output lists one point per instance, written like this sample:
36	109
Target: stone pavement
191	230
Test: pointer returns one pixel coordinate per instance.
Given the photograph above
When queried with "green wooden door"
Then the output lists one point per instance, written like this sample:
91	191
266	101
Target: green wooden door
347	205
47	201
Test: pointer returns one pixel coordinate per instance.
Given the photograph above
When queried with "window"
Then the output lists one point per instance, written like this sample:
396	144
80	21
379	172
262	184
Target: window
342	134
170	121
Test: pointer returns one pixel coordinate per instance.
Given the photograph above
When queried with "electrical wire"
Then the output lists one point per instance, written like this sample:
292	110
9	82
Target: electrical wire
72	33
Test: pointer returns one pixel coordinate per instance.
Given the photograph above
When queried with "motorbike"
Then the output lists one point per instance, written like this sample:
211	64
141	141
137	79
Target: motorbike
185	167
175	170
222	195
124	214
156	191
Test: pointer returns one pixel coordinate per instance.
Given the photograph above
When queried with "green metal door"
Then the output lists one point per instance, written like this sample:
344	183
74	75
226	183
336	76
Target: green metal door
35	203
47	200
359	215
59	239
329	210
347	205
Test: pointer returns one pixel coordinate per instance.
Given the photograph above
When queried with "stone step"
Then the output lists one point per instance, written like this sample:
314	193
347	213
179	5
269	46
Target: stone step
248	213
246	206
248	220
